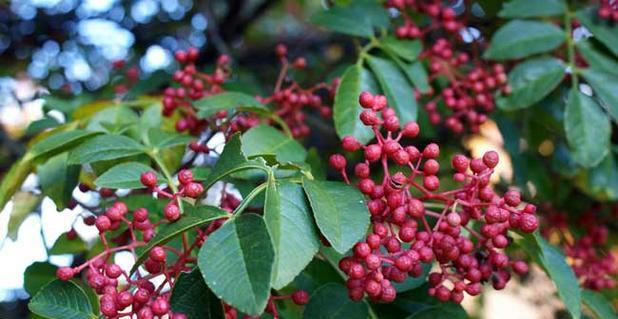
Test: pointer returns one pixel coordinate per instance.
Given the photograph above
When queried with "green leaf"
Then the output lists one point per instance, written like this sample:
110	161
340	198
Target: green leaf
236	262
531	81
105	147
346	110
58	179
291	229
332	301
191	297
194	216
405	49
23	204
587	129
446	311
161	139
37	275
597	60
415	72
124	175
413	282
603	31
601	307
232	160
339	211
315	162
64	245
521	38
228	101
417	302
395	87
343	20
554	264
62	300
601	181
264	139
605	85
14	178
40	125
59	143
532	9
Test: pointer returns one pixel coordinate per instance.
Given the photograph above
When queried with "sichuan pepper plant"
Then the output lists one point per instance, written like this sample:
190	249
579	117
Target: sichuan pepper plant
233	204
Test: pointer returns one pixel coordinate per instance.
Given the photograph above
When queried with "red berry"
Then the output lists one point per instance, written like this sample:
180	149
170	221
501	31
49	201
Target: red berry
431	151
140	215
411	130
491	159
337	161
171	211
149	179
103	223
194	190
65	273
185	177
350	144
366	100
157	254
300	297
373	152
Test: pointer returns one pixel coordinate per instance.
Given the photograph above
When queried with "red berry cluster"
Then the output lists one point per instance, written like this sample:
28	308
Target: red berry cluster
471	89
592	260
291	100
131	75
193	85
123	295
402	202
608	10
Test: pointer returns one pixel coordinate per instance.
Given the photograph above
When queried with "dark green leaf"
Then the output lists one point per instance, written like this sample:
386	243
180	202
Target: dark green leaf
416	73
228	101
191	297
41	125
236	262
343	20
405	49
105	147
596	59
339	211
37	275
266	139
605	85
331	301
232	160
64	245
521	38
58	179
124	175
532	8
317	166
291	229
531	81
413	282
395	87
606	33
601	181
193	216
347	110
161	139
62	300
23	204
554	264
587	129
601	307
59	143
